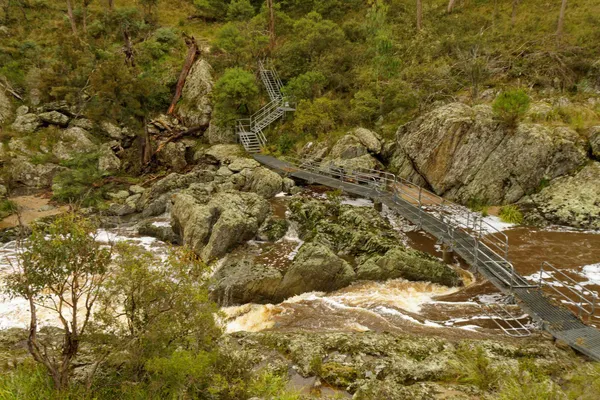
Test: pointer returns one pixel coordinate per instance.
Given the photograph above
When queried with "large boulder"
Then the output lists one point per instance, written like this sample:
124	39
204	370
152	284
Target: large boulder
220	135
244	281
315	268
571	200
107	159
73	142
33	175
194	107
348	147
6	110
26	123
264	182
213	223
173	156
463	152
408	264
369	139
54	118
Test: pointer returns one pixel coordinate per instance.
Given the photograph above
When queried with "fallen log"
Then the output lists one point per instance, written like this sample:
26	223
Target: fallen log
193	52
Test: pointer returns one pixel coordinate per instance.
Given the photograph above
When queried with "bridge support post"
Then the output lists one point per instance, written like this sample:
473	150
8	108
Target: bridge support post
378	205
447	254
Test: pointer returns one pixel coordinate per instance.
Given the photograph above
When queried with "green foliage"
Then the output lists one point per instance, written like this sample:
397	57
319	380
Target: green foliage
235	95
306	86
240	43
240	10
511	106
473	367
511	214
211	9
77	184
365	106
528	382
316	117
478	205
7	207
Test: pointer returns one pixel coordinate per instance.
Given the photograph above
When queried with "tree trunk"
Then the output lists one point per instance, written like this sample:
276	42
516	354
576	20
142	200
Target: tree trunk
271	24
71	16
513	17
111	5
419	14
192	54
451	5
561	20
128	49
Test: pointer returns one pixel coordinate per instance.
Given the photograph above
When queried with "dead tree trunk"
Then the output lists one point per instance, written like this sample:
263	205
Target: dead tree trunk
513	17
451	5
419	15
271	24
193	52
561	20
128	49
71	16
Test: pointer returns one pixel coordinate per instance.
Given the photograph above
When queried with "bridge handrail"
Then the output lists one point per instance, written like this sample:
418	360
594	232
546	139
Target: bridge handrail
577	292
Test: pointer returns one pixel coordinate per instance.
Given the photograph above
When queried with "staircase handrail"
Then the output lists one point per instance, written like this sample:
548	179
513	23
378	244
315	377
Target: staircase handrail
265	110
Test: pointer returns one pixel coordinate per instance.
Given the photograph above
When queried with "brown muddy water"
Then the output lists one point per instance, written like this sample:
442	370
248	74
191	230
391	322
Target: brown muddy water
401	306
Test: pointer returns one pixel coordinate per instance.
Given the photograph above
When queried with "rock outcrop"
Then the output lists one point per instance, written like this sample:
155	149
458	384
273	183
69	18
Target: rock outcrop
595	142
464	153
315	268
243	281
194	107
73	141
6	110
570	200
26	123
33	175
213	223
408	264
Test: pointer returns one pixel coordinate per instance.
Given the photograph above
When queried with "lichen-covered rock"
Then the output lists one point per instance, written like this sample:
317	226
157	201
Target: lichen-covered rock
195	105
33	175
264	182
571	200
120	210
27	123
6	110
223	153
111	130
241	163
314	151
315	268
369	139
83	123
107	159
73	142
213	223
348	147
220	135
244	281
366	161
464	153
160	231
409	264
272	229
173	156
54	118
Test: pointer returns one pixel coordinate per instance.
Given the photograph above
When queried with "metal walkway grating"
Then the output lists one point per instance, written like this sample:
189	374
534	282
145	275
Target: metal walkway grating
557	320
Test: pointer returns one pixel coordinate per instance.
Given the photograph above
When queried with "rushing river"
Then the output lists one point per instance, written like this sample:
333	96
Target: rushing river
396	305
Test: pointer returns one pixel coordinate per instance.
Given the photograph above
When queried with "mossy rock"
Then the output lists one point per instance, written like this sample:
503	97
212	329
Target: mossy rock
337	374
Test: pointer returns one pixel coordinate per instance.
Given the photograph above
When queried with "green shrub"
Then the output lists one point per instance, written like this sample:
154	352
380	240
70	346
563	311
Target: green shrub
7	208
473	367
511	214
240	10
511	106
78	183
478	204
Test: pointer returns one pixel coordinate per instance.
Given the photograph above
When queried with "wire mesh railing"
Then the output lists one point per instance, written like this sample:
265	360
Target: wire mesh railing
572	292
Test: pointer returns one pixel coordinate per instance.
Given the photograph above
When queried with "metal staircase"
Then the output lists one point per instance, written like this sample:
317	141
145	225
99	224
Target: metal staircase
250	130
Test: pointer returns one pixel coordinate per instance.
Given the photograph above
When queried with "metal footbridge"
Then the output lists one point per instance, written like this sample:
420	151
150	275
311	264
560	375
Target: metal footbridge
472	238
